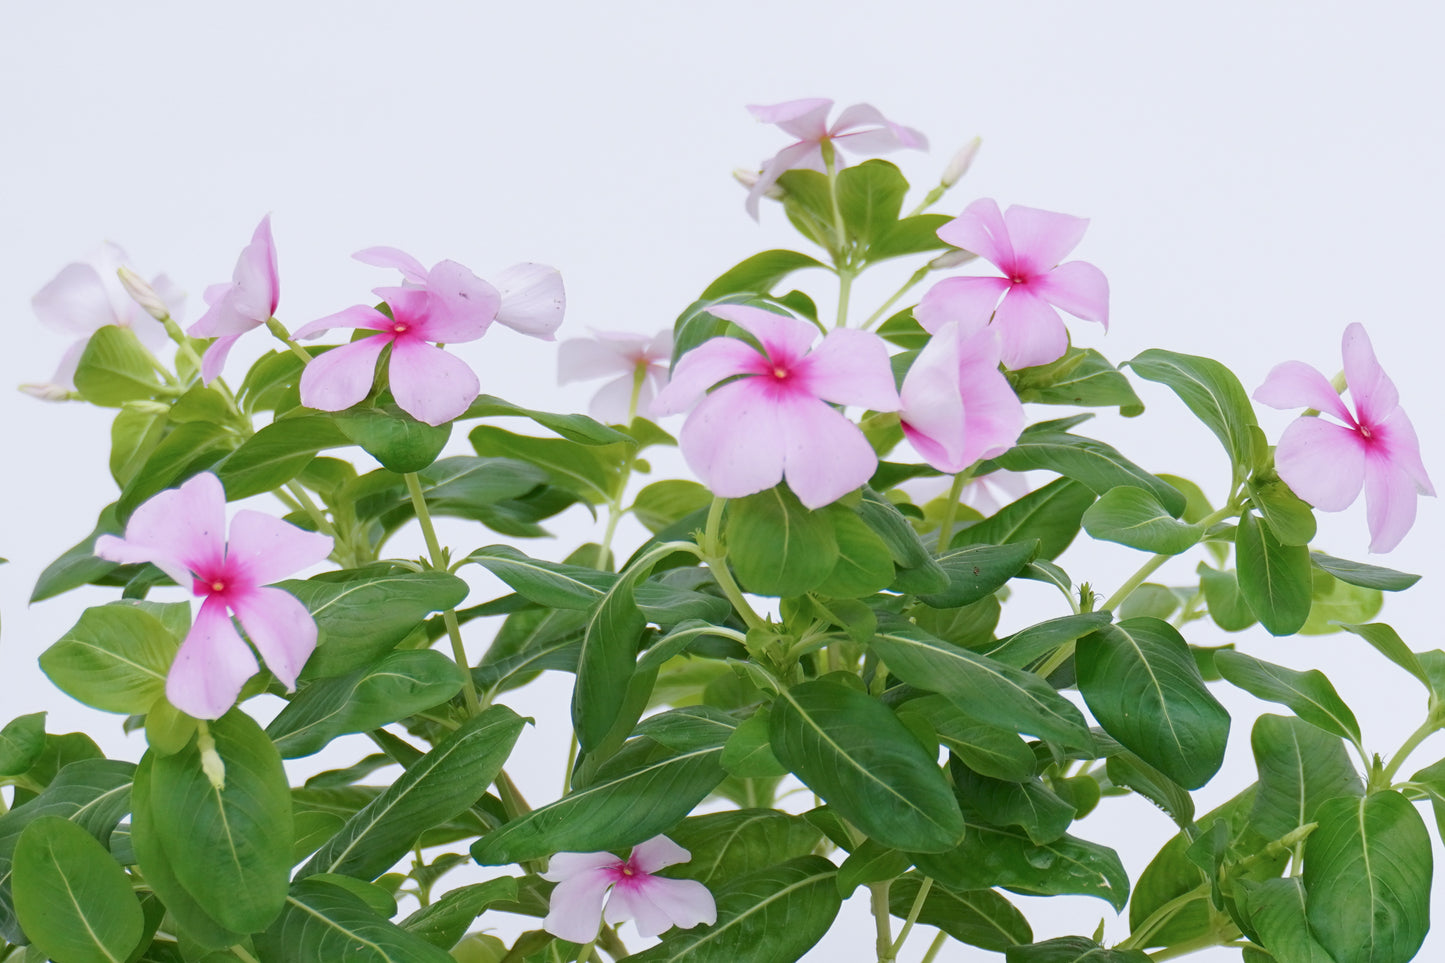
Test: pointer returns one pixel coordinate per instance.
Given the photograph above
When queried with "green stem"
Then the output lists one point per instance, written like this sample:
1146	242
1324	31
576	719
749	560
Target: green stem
714	556
312	510
950	511
449	617
1147	569
1194	946
1429	727
586	952
913	912
1141	934
934	947
917	276
879	903
279	330
840	229
241	953
614	502
845	288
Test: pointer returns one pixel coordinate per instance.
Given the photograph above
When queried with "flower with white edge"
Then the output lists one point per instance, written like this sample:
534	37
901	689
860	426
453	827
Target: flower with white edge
636	363
628	889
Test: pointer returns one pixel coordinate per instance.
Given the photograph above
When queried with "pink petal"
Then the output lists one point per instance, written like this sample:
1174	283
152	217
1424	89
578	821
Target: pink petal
181	530
703	367
1041	239
428	383
658	904
1029	329
533	299
993	415
783	337
611	404
885	137
74	301
931	414
280	628
563	866
1078	288
582	359
826	456
805	119
214	360
64	376
341	377
1321	462
468	304
733	441
966	301
574	910
390	257
1294	384
256	280
212	665
657	853
1396	436
268	549
980	229
1372	391
805	155
851	367
356	316
1390	503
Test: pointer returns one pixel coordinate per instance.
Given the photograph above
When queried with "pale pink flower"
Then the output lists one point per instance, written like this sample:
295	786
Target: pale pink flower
1027	245
585	881
861	129
249	301
428	383
87	296
775	421
956	405
638	362
1375	447
183	533
526	298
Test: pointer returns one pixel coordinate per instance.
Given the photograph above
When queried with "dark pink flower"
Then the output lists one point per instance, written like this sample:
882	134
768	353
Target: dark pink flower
957	406
635	362
1027	245
585	881
1373	448
249	301
183	532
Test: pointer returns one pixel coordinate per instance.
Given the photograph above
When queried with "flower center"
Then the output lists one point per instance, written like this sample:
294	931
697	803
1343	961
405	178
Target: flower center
399	327
780	372
217	585
1018	279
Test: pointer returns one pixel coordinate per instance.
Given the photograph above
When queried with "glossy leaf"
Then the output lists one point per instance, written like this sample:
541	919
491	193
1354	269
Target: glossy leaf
1276	910
1134	517
1388	643
777	546
870	862
573	427
1090	462
864	565
590	471
1128	770
988	750
21	743
870	197
1029	645
115	368
992	857
759	274
1289	518
1334	601
1028	805
276	454
547	583
917	571
1308	694
976	571
1212	392
393	437
726	845
1051	515
1273	578
1363	575
980	917
1090	381
1300	767
445	921
1072	949
1226	603
911	235
322	921
115	658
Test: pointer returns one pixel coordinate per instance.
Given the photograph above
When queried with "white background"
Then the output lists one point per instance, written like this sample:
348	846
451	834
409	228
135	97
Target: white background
1258	174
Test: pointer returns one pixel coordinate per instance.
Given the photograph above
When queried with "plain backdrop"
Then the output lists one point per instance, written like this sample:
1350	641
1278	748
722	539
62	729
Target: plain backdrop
1258	175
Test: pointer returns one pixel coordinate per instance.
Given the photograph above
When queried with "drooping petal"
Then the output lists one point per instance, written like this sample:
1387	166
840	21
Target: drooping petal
657	853
931	415
850	367
533	299
981	229
280	628
969	302
429	384
1078	288
214	360
1041	239
1294	384
268	549
181	530
1030	330
211	666
1372	391
341	377
826	456
805	119
574	910
1390	503
1321	462
356	316
256	282
703	367
783	337
390	257
733	441
462	305
993	415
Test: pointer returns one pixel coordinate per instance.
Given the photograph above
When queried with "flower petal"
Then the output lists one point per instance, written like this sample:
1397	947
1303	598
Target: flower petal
214	360
180	530
341	377
981	229
280	628
1396	436
212	665
582	359
390	257
825	456
1321	462
610	405
1041	239
806	155
1078	288
993	415
268	549
1371	390
931	414
733	441
659	852
805	119
703	367
966	301
783	337
1294	384
850	367
428	383
574	911
885	136
533	299
565	865
684	903
462	309
1390	503
74	301
1030	330
356	316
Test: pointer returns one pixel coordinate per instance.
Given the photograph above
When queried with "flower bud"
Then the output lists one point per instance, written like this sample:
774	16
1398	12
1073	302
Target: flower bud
48	391
951	259
749	178
142	293
960	163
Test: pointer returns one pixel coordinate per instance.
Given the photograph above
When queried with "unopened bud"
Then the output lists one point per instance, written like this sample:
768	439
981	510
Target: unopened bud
48	392
142	293
749	179
961	162
951	259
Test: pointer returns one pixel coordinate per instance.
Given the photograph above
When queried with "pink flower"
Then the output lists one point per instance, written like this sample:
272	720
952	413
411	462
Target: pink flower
429	384
183	532
640	364
1375	447
860	128
630	890
527	297
1027	245
85	297
957	406
775	421
247	302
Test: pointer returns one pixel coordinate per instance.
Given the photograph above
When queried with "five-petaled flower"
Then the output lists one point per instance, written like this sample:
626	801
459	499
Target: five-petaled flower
87	296
249	301
1374	447
860	128
183	532
428	383
957	406
775	421
639	364
1027	245
630	890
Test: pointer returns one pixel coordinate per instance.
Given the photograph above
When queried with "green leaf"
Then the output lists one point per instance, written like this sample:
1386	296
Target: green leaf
917	571
21	743
134	435
759	274
992	857
775	914
1333	602
1089	380
979	917
808	203
1226	603
1212	392
1365	576
72	898
548	584
1142	684
322	921
1273	578
778	547
1367	871
663	503
911	235
1308	694
1134	517
1276	910
400	684
445	921
1087	461
1290	520
393	437
438	786
864	564
1299	768
988	690
748	753
853	752
115	658
1071	949
229	847
1389	644
729	844
1029	805
589	471
276	454
79	566
186	450
115	368
976	571
578	428
1051	516
870	862
870	196
1128	770
1029	645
